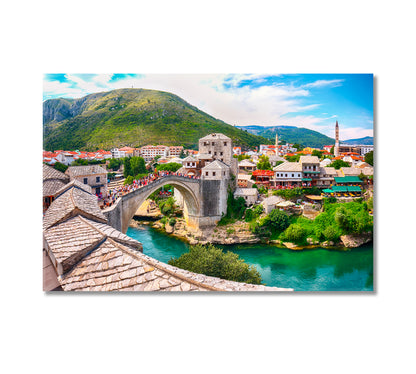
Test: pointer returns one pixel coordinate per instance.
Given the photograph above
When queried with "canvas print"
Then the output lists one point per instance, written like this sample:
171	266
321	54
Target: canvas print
208	182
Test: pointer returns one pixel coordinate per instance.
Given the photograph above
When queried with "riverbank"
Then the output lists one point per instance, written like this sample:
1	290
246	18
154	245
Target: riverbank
319	269
240	233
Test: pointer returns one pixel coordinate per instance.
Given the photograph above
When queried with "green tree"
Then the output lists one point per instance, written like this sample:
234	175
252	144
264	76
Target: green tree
332	149
264	163
369	158
242	157
212	261
137	166
60	167
279	220
79	162
167	206
171	166
128	180
127	168
299	147
317	153
115	163
338	164
294	158
370	203
295	233
330	233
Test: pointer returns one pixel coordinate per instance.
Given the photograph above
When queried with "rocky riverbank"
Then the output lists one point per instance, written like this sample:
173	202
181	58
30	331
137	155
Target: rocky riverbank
239	233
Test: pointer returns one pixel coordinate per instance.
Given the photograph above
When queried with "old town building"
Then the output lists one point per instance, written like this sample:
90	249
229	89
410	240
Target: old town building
94	176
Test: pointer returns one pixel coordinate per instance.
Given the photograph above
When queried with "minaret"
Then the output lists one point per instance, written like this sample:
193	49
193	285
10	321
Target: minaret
336	148
276	147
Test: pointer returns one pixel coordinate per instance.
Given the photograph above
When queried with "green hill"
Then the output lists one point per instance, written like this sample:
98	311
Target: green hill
292	134
132	117
367	140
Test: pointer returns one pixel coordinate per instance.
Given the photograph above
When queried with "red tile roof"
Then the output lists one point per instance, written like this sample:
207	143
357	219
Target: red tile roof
263	173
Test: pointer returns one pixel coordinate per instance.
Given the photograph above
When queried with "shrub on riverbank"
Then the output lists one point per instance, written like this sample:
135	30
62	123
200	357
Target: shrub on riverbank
336	220
235	209
295	233
271	225
212	261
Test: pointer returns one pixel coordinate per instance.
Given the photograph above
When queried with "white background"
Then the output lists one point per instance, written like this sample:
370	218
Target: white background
301	333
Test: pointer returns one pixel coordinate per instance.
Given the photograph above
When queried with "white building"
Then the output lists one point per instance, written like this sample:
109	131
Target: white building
288	173
149	152
117	153
175	150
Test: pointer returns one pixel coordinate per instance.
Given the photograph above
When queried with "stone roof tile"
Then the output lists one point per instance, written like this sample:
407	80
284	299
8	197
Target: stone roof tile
73	202
74	183
51	186
309	160
78	171
288	166
70	241
215	165
51	173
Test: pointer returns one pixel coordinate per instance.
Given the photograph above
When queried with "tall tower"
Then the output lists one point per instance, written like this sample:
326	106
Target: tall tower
276	148
336	148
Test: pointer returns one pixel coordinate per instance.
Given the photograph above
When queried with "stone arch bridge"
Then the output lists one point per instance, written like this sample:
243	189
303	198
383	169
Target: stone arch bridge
205	201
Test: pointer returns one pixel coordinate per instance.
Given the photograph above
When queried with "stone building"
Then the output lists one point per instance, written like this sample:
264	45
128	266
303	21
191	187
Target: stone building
53	180
250	195
326	176
310	169
190	166
245	166
219	147
93	175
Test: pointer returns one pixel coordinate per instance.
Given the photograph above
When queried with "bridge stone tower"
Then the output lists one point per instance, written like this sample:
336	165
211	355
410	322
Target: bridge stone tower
219	147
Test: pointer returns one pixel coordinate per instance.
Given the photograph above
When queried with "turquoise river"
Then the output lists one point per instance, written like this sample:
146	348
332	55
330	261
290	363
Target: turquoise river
315	269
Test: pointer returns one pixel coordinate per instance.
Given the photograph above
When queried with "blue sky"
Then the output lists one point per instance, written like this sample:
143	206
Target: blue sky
314	101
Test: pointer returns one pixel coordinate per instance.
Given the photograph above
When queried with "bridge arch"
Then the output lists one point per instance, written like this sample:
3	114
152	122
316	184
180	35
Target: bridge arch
128	204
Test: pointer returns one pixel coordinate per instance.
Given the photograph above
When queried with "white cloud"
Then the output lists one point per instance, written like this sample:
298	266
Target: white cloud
324	83
267	105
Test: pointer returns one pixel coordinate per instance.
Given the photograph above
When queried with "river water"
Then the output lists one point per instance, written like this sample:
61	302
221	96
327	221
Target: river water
315	269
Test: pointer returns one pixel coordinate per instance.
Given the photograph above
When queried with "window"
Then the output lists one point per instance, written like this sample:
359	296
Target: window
97	179
85	180
285	175
215	153
213	173
221	153
213	143
225	144
209	152
293	175
206	173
